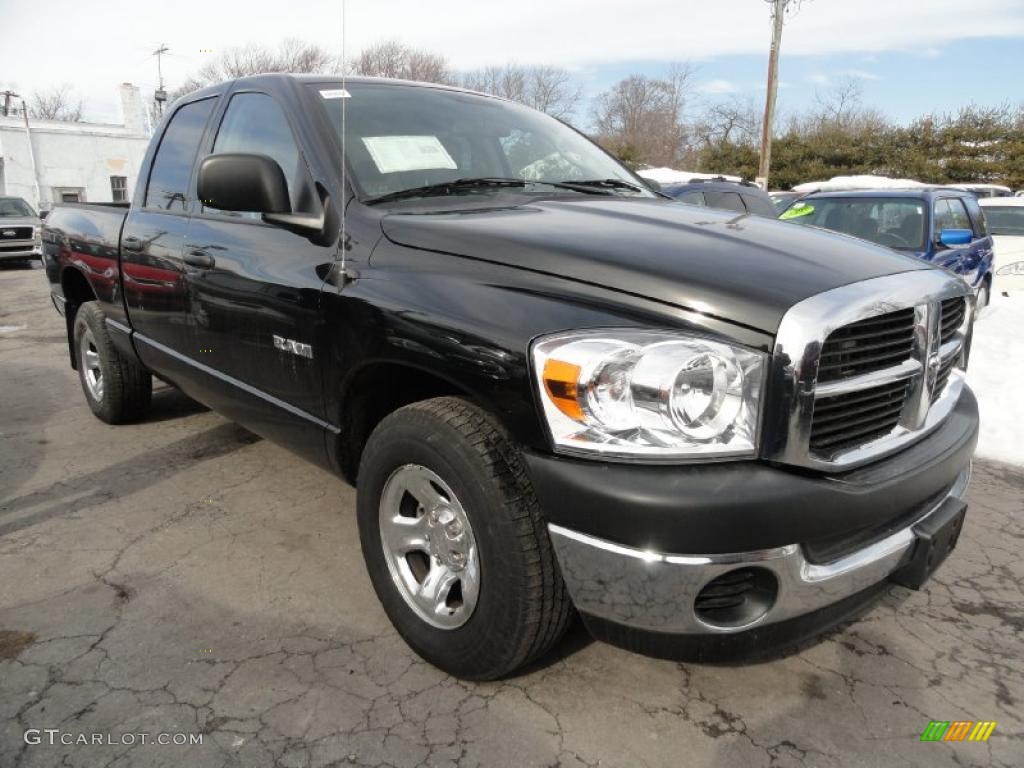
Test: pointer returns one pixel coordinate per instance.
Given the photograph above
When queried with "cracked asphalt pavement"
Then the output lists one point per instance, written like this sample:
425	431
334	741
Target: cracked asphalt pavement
181	575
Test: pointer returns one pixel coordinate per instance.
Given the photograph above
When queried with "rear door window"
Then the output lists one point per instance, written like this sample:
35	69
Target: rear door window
729	201
172	166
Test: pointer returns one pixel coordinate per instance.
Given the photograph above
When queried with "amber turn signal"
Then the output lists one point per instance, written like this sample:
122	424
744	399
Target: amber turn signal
560	383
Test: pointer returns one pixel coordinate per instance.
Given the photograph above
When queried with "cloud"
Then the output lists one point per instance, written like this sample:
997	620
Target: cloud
819	79
860	74
717	86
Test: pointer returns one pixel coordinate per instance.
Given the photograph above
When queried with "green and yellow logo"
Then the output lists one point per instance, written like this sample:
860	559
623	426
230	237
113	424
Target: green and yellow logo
958	730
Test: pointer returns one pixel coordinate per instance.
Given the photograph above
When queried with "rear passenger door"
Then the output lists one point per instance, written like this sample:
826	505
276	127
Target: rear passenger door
255	303
152	239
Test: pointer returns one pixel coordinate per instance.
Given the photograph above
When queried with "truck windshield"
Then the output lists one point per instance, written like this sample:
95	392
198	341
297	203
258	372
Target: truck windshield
402	137
11	207
893	222
1005	220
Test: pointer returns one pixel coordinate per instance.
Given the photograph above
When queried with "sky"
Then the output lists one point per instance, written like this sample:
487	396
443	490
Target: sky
910	57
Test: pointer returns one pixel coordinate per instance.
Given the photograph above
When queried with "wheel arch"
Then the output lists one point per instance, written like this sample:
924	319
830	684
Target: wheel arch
377	389
77	291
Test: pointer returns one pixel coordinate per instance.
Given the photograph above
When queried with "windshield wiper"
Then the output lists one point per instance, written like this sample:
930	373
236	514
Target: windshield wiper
600	184
596	187
448	187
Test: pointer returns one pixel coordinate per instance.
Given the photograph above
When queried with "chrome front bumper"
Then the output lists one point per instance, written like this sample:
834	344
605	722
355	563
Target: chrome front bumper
657	592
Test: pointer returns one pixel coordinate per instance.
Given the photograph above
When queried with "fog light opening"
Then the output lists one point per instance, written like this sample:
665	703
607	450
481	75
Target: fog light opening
737	598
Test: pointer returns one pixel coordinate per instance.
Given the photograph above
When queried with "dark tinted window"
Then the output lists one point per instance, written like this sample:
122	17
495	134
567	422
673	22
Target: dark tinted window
729	201
172	166
255	124
1006	220
691	198
759	206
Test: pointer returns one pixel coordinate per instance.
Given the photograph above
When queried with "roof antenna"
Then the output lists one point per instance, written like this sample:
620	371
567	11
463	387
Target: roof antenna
345	245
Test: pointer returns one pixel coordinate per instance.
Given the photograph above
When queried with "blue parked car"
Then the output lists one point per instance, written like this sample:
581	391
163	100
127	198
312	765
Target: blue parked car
940	225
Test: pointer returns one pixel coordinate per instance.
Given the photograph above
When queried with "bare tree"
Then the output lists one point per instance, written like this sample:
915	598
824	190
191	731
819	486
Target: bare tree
392	58
290	56
549	89
641	119
842	99
732	121
57	103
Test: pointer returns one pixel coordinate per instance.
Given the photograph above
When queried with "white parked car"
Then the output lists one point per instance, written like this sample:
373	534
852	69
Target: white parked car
1006	225
982	191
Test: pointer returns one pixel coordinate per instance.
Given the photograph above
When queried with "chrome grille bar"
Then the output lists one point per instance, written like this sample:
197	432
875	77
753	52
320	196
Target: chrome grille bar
933	383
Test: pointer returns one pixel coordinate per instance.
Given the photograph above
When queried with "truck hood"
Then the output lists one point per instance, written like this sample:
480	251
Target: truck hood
18	221
742	269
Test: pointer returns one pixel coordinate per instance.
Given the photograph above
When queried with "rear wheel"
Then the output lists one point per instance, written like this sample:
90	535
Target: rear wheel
117	388
455	543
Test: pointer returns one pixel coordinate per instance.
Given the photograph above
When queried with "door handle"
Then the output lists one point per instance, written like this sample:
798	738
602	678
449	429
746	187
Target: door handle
199	258
132	244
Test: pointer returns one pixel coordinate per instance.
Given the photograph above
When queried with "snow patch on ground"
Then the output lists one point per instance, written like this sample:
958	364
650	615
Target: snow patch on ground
996	374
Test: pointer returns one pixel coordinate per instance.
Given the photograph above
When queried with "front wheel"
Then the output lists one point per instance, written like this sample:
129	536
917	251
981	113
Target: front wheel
455	543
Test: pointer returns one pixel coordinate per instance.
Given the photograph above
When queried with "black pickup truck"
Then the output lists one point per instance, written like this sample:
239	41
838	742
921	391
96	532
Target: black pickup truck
712	435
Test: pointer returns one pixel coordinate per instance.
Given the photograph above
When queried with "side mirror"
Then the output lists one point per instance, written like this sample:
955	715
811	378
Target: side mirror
240	182
654	186
954	237
43	214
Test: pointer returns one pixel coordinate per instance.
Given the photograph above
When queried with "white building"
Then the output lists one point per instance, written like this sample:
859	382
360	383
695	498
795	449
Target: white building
74	162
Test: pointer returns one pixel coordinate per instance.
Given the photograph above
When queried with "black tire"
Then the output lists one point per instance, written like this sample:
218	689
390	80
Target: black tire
127	387
523	607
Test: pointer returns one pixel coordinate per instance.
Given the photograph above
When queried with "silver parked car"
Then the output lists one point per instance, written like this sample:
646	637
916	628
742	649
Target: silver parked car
19	231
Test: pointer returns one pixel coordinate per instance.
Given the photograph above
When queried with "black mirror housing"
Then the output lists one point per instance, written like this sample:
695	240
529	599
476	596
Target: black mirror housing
233	181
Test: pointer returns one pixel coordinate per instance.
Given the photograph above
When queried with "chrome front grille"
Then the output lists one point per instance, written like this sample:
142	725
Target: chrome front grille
869	368
850	419
868	345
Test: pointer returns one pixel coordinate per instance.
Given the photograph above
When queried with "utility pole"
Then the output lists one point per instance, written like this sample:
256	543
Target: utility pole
160	95
31	156
8	95
778	14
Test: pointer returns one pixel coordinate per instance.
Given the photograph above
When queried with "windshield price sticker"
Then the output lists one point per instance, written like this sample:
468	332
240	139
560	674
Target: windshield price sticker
335	93
798	210
394	154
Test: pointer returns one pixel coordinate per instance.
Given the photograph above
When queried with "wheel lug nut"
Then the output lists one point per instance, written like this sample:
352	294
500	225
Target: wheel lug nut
434	517
454	528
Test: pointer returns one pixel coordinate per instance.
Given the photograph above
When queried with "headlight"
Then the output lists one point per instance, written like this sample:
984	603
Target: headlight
1017	268
649	394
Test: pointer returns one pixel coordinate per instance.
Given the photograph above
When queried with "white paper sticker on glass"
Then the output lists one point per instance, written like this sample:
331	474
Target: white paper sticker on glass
393	154
335	93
